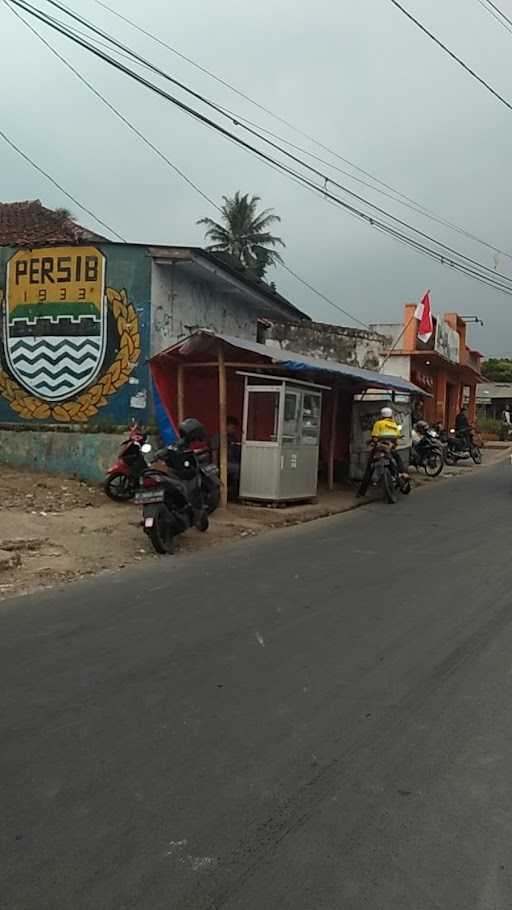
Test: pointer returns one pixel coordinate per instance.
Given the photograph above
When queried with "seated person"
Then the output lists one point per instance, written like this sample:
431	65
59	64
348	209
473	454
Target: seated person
384	429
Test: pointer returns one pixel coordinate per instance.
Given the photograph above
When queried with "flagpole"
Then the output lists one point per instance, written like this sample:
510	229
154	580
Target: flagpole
395	343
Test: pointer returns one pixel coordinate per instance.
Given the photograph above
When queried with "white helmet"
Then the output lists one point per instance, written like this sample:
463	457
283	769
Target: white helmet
386	412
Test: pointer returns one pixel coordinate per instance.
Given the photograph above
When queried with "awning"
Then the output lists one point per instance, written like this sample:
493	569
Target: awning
204	341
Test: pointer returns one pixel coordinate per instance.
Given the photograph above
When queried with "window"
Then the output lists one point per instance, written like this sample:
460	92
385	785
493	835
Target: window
262	416
291	418
310	418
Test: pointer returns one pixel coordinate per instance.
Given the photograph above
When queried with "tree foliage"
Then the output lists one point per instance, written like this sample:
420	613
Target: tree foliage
498	369
244	233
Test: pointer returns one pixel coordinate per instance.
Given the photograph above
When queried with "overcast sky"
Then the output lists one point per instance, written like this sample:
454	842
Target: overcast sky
357	75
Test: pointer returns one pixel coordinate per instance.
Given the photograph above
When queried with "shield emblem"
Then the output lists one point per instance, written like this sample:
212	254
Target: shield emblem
55	319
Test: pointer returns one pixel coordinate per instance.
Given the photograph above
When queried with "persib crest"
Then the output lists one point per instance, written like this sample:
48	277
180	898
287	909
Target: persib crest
55	319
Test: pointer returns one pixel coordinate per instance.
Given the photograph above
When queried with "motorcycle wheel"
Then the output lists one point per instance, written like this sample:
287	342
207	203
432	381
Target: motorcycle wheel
434	464
119	487
390	487
212	499
406	487
161	534
476	454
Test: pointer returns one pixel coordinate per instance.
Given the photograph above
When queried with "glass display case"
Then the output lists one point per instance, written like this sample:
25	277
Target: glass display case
281	439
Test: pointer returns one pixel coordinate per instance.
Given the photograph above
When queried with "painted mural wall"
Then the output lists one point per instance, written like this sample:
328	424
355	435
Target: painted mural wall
75	335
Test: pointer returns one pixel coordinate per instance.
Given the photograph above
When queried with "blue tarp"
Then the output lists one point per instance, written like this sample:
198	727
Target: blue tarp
203	340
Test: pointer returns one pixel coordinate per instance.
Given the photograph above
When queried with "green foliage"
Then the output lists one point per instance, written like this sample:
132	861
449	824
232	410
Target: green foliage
497	369
490	425
244	233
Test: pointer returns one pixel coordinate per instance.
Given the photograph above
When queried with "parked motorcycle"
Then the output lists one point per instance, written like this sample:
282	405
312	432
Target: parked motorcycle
462	447
181	497
427	450
122	478
385	472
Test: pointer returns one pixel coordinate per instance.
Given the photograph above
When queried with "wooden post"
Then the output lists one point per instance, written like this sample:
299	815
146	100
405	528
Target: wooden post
223	429
332	441
181	394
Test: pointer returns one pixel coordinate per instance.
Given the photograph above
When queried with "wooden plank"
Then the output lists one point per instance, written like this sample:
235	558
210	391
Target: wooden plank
223	428
181	394
332	440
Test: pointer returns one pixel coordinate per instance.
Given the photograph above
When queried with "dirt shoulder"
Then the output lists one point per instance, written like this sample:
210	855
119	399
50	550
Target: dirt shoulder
53	530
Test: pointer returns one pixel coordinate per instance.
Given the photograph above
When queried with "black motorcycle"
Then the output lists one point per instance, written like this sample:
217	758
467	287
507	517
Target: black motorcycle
427	451
385	472
462	446
181	497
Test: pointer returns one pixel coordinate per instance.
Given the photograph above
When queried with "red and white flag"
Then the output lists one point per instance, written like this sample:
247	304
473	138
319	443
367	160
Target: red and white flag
423	314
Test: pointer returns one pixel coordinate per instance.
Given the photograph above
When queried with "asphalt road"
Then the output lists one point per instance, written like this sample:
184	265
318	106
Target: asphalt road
317	719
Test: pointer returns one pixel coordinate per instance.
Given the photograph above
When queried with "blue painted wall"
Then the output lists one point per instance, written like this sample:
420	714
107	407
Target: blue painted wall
120	389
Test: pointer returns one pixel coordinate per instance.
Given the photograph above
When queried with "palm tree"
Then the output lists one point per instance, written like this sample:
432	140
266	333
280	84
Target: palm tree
244	233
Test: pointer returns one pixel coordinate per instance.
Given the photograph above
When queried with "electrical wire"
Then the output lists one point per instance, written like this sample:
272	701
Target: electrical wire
491	278
322	296
59	186
63	29
451	54
256	130
392	192
494	15
111	107
184	176
500	12
245	96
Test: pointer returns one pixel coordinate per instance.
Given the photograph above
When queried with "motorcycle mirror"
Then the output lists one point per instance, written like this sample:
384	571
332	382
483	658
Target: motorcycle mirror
146	448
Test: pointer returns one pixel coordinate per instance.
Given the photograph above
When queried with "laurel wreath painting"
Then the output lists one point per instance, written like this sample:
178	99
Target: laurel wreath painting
88	403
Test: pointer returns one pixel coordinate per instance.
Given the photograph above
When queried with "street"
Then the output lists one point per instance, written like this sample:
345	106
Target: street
317	719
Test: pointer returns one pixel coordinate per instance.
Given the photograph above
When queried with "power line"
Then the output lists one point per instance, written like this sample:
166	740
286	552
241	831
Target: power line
500	12
190	183
481	271
110	106
64	29
322	296
468	266
52	180
452	55
494	15
402	199
242	122
243	95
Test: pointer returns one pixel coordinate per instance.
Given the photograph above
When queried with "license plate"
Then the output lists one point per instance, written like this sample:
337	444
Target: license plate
148	496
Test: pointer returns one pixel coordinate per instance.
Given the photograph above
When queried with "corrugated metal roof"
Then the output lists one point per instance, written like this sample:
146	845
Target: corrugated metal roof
203	340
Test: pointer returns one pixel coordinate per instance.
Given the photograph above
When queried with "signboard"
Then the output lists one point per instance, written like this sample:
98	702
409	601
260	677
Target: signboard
447	342
55	319
422	379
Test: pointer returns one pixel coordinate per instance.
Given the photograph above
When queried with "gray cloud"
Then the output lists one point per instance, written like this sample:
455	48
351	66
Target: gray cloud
358	76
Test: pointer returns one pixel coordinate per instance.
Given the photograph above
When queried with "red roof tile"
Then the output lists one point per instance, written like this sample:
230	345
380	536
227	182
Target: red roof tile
30	224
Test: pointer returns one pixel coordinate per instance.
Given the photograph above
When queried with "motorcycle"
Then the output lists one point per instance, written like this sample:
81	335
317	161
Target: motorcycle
181	497
385	472
427	450
462	447
122	478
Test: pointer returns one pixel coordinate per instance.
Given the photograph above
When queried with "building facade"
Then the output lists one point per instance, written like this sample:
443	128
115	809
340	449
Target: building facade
445	367
80	320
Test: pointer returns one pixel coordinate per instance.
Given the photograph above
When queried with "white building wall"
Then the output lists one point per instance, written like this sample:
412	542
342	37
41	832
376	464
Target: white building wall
180	304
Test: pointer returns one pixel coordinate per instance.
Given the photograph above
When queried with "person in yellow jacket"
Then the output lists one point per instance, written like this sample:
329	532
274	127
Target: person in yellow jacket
384	428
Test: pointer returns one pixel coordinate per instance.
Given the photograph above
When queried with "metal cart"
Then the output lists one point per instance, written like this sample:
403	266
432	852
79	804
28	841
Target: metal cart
281	438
